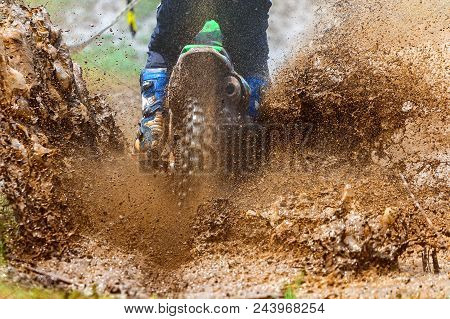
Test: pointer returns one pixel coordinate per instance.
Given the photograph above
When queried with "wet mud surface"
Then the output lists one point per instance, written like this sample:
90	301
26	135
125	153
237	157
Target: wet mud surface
46	116
350	211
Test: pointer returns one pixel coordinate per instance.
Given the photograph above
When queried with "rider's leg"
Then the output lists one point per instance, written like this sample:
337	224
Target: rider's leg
174	29
151	127
244	24
178	22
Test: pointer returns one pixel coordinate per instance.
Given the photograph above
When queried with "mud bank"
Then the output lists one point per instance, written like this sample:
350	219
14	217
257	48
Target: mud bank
46	117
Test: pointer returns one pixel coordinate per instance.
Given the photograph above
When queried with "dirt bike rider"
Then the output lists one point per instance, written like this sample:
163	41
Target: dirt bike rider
244	25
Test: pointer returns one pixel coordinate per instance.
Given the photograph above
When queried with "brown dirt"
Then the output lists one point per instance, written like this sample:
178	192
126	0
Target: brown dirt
137	212
350	211
46	117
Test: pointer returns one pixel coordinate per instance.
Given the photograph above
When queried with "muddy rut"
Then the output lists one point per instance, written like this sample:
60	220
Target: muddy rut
358	207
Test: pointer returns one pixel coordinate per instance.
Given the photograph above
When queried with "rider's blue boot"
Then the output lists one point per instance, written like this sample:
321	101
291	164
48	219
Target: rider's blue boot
151	127
257	86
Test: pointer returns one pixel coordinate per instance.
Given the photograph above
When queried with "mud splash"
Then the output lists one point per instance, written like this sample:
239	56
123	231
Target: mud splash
46	116
373	84
369	68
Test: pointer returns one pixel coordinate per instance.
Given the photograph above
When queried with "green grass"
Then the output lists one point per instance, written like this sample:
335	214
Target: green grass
56	8
16	291
291	289
108	54
118	58
50	4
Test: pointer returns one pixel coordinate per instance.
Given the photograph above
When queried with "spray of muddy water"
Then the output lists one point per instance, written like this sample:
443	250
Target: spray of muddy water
373	81
370	70
138	212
